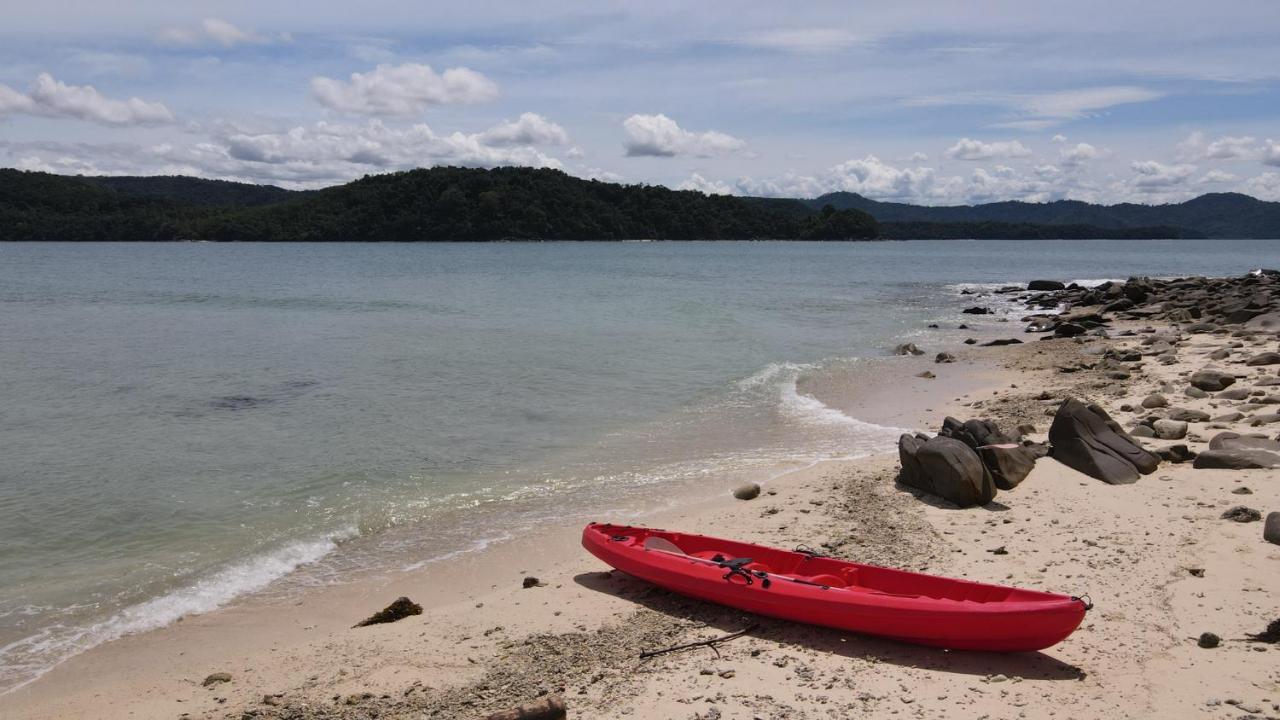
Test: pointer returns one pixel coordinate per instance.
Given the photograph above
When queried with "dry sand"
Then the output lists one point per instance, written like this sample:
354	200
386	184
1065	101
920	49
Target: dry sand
485	643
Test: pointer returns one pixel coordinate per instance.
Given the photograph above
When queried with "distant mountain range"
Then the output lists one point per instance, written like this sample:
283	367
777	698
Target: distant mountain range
447	203
1216	215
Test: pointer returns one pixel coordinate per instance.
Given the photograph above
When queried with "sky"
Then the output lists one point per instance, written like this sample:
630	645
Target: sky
924	102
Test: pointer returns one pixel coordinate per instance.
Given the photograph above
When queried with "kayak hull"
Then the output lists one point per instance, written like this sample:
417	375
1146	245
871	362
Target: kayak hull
803	587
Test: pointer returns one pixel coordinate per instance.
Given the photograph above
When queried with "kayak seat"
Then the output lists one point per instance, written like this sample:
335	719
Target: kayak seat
654	542
828	580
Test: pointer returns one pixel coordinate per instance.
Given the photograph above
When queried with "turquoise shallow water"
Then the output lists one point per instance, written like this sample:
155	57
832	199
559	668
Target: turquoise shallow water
186	423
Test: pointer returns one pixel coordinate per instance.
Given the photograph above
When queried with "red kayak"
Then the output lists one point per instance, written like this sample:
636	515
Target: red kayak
809	588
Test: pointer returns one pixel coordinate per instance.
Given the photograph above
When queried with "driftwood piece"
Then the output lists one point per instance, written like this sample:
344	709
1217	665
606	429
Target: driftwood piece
701	643
548	708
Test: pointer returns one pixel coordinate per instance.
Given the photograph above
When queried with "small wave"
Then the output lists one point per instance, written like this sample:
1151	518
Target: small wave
810	410
25	660
770	373
477	546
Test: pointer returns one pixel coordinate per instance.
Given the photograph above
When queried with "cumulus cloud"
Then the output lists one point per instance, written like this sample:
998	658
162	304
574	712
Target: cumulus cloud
530	129
407	89
869	176
1271	152
304	156
1265	186
377	145
702	184
53	98
1197	148
1214	177
1059	138
918	157
219	31
967	149
660	136
1152	176
1078	154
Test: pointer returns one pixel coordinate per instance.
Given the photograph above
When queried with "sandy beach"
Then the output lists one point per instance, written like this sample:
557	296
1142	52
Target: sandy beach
1157	558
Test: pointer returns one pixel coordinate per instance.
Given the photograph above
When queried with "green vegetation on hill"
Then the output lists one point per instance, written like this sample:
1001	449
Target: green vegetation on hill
436	204
449	203
197	191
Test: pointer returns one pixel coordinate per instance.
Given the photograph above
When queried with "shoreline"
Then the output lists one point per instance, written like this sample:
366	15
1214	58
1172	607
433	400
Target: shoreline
266	615
485	643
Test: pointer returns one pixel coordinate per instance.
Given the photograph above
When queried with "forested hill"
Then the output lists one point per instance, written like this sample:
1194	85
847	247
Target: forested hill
197	191
436	204
1218	215
448	203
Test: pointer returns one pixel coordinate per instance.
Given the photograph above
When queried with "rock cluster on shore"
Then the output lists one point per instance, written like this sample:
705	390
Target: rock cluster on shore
1236	316
967	463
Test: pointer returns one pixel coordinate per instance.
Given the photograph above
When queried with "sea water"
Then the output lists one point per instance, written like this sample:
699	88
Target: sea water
182	425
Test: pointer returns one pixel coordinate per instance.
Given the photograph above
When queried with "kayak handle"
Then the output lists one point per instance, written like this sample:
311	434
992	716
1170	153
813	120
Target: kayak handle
808	552
1084	598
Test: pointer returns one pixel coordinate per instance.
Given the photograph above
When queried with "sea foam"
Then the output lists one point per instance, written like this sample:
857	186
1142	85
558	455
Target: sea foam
25	660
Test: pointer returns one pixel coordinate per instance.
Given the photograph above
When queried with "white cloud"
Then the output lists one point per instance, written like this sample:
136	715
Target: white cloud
918	157
216	30
53	98
1196	148
375	144
1059	138
805	40
595	173
304	156
660	136
1264	187
1271	152
406	89
867	176
1071	104
530	129
1152	176
12	101
1214	177
967	149
1042	110
702	184
575	152
1078	154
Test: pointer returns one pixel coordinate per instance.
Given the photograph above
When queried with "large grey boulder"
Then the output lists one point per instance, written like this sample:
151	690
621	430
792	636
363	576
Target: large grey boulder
1270	321
1187	415
1236	441
1271	530
947	468
1170	429
1236	460
1046	285
974	433
1085	438
1212	380
1009	464
1266	358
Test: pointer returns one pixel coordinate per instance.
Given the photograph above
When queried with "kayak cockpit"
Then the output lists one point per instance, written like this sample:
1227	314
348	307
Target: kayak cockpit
812	569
